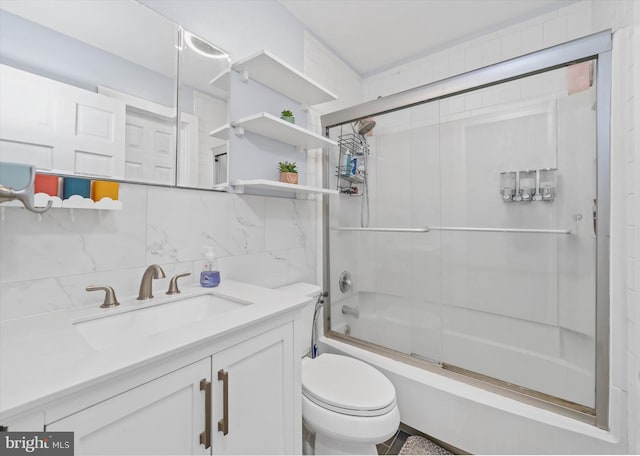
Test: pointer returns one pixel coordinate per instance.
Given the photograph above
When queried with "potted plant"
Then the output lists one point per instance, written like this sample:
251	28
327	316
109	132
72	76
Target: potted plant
288	172
288	116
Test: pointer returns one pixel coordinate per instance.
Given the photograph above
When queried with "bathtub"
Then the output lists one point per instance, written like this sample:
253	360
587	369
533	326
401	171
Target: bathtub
469	417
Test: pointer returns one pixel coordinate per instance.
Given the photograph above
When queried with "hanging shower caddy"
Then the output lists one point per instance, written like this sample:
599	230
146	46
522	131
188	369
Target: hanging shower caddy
351	168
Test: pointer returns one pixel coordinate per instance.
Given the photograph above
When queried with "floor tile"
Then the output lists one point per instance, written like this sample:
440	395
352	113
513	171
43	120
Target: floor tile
398	442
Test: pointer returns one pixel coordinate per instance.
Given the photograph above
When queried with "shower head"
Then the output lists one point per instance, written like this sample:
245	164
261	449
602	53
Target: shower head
365	125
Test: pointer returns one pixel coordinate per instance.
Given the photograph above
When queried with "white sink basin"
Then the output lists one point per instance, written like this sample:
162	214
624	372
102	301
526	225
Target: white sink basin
136	323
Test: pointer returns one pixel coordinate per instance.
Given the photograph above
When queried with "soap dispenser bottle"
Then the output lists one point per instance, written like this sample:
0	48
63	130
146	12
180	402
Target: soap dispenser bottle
210	275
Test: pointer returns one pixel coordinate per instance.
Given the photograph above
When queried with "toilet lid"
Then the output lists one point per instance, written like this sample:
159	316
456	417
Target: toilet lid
347	385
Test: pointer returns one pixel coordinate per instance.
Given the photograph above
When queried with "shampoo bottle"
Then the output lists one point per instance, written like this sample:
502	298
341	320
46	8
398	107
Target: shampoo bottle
346	165
210	275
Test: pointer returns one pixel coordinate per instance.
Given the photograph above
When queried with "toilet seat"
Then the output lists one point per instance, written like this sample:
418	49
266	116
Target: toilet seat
347	386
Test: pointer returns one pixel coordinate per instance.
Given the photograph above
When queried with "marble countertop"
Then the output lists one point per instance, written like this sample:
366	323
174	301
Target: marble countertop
45	357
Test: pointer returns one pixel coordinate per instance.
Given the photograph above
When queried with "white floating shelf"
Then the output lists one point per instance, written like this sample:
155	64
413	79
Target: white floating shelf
275	186
269	70
78	202
221	81
221	132
270	126
74	202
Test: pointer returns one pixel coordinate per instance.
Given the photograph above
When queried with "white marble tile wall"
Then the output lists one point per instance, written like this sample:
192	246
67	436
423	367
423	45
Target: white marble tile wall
47	264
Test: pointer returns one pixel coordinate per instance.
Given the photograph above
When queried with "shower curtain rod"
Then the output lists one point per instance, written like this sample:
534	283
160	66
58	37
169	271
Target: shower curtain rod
453	228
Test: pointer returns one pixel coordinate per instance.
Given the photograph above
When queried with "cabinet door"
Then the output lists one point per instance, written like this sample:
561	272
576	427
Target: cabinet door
163	416
260	395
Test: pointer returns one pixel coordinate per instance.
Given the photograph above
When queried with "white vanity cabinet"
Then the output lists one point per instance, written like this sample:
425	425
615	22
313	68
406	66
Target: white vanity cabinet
253	405
260	408
163	416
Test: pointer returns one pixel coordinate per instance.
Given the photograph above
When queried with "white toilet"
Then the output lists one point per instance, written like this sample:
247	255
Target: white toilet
348	405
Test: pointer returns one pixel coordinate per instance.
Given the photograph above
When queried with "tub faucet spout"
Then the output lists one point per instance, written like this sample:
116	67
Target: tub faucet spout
146	290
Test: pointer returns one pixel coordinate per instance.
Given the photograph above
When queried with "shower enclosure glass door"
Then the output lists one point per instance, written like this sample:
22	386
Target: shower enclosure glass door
486	259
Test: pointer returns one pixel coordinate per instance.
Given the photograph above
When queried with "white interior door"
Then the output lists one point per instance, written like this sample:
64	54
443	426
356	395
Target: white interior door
58	127
150	148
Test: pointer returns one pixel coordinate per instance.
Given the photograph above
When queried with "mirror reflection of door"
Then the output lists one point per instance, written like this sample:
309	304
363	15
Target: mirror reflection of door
88	88
203	94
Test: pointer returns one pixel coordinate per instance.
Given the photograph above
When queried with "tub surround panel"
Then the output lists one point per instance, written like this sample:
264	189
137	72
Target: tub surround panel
426	272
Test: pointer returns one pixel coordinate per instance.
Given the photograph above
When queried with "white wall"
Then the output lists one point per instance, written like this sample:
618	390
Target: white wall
633	237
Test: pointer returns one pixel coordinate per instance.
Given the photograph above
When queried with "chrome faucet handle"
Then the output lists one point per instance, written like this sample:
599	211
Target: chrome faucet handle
110	299
173	284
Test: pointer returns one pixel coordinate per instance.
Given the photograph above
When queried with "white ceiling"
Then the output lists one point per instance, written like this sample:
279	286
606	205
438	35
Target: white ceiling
373	35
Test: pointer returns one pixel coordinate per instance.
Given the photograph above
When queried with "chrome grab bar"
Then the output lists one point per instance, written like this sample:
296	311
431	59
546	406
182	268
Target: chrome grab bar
396	230
454	228
499	230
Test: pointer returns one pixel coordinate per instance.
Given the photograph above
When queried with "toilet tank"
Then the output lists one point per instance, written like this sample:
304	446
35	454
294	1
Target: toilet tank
303	337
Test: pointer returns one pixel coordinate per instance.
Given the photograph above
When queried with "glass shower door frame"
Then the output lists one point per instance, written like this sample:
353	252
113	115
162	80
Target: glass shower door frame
597	46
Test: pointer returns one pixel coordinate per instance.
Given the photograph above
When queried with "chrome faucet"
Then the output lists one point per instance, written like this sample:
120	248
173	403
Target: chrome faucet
152	272
314	328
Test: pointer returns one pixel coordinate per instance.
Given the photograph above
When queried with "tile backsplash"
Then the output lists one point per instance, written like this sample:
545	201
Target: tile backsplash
46	264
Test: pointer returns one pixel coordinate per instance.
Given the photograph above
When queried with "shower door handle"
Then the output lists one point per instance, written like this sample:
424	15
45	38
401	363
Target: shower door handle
595	216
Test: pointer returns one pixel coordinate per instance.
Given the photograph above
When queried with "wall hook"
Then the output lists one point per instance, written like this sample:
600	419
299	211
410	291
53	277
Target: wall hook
24	195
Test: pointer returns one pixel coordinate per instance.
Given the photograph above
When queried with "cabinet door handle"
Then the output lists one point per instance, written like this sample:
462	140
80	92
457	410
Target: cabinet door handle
205	437
223	424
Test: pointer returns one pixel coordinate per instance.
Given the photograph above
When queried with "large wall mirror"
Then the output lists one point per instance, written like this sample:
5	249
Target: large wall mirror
203	95
89	87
